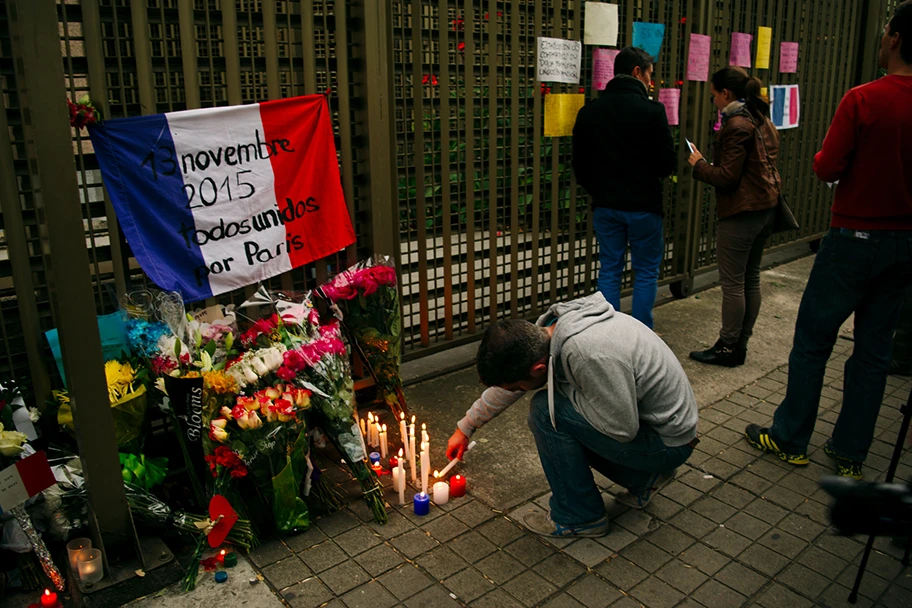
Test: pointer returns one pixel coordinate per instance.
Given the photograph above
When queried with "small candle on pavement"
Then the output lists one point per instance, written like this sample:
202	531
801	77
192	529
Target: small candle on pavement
441	491
457	486
422	504
403	433
383	445
424	468
401	487
48	599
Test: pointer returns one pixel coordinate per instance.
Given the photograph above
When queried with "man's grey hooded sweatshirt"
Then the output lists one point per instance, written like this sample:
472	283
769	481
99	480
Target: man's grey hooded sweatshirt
615	371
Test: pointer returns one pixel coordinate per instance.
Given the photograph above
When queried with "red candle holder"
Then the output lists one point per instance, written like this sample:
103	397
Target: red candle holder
49	599
457	486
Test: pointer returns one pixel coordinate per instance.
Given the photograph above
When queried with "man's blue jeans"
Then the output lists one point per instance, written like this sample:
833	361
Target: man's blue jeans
867	276
569	453
614	229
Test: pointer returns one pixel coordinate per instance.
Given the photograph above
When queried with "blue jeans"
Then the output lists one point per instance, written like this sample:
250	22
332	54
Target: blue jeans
614	229
867	276
569	454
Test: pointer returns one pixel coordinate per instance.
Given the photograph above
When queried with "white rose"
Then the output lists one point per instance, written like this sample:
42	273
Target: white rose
34	414
259	366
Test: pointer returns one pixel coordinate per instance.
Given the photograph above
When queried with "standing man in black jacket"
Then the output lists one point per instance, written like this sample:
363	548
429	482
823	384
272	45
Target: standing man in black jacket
622	148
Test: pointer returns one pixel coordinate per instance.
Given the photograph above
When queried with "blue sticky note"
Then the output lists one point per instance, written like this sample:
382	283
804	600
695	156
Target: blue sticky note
648	36
778	107
113	331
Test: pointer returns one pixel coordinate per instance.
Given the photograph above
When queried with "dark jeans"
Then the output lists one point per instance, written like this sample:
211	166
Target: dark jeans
867	276
568	453
613	230
739	250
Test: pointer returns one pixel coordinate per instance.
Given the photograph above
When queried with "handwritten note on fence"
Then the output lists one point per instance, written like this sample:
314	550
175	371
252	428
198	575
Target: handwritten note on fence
764	42
601	24
602	67
560	113
788	57
741	50
648	36
698	58
559	60
671	99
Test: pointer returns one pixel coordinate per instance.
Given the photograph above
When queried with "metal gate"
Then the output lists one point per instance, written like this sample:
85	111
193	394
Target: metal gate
438	122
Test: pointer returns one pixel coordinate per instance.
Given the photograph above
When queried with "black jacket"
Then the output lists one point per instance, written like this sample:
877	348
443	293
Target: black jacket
622	148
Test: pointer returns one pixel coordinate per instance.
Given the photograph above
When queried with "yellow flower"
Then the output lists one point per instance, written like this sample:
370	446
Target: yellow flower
220	382
11	442
120	377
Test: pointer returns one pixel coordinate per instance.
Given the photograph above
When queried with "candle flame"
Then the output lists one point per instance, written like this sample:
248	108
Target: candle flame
436	474
47	591
402	415
223	552
400	452
458	477
370	416
413	419
423	426
384	428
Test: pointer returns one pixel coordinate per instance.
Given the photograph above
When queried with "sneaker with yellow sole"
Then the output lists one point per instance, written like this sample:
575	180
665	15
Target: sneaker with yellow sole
844	466
759	437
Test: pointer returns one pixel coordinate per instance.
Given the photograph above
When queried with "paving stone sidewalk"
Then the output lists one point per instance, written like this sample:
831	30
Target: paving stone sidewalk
736	528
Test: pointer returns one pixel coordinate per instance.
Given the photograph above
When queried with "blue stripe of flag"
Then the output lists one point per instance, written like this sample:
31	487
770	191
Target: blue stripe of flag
143	177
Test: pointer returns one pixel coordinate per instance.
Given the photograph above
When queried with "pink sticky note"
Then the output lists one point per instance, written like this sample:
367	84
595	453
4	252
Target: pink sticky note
788	57
671	99
698	58
602	67
741	50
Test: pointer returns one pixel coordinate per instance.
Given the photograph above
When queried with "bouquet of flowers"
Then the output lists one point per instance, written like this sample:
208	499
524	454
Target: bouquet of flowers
266	433
322	366
368	297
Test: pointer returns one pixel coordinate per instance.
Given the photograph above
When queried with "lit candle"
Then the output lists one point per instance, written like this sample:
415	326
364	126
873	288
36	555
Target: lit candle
370	429
401	469
74	547
422	504
231	560
221	557
383	445
49	599
403	434
377	431
424	435
424	468
441	491
413	458
457	486
393	461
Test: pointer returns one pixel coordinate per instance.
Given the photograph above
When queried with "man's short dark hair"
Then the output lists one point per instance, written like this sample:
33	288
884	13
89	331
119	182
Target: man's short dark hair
901	23
508	351
630	58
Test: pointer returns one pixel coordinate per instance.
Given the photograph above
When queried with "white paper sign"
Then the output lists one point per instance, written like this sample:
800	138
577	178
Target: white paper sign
559	60
12	490
601	24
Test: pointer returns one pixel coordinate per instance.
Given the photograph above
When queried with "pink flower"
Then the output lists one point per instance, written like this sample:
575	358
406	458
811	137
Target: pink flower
385	275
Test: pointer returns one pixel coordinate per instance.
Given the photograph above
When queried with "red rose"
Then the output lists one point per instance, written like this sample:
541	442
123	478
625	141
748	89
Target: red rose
294	360
285	374
239	471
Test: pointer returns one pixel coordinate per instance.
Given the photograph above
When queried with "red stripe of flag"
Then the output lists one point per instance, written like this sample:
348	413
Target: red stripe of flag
308	188
36	473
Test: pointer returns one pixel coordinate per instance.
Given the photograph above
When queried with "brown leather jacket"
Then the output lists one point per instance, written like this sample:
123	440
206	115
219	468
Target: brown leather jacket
743	177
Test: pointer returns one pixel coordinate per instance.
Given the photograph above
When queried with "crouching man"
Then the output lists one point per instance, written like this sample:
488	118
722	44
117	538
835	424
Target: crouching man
617	401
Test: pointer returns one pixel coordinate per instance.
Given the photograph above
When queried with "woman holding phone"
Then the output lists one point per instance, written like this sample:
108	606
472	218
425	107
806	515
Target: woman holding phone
744	175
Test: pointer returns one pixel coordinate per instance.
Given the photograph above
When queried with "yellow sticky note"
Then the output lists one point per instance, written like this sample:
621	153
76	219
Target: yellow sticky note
560	113
764	42
765	92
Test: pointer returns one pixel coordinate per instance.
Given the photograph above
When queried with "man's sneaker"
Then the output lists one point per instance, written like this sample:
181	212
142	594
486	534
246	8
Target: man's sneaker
759	437
844	466
541	523
656	483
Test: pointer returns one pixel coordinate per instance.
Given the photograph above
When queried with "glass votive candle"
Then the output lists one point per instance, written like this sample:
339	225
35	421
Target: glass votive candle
91	566
74	547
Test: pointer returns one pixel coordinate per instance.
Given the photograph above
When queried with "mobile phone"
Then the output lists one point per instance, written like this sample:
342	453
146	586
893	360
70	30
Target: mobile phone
690	146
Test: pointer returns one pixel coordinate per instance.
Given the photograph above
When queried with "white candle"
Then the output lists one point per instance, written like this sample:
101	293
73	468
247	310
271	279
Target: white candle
413	459
403	434
441	494
370	429
447	468
424	468
424	435
427	453
383	446
401	469
361	421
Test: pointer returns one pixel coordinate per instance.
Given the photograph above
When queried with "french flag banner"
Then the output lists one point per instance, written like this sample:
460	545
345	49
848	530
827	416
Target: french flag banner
215	199
784	106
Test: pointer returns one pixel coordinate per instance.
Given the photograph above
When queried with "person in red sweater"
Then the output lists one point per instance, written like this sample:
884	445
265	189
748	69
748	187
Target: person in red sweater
864	265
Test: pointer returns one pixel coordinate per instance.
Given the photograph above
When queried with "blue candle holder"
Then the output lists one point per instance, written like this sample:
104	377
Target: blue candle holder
374	458
221	576
422	504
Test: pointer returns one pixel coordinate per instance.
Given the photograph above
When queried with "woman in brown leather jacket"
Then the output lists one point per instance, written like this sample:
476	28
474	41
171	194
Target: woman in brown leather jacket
744	175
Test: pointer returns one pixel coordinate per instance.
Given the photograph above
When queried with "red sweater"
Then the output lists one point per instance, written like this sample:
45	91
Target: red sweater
869	150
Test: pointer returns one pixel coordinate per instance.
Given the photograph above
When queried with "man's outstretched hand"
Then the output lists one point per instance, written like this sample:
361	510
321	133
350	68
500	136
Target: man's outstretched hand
457	444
